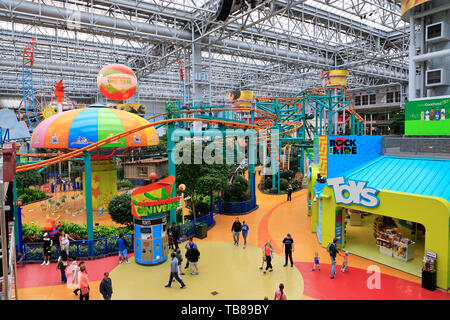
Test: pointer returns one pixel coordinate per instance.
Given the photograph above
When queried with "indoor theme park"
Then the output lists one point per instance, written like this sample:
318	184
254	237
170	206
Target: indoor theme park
192	150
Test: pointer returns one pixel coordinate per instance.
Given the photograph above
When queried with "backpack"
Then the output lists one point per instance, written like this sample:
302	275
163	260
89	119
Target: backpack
329	247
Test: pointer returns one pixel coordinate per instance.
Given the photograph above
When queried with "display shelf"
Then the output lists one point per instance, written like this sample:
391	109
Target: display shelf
385	250
403	251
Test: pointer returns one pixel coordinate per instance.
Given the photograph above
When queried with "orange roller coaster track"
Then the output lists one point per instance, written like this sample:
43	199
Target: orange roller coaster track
79	152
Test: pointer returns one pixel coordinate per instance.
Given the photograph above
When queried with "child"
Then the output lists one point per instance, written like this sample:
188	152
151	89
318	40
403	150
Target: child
263	259
77	275
316	262
345	262
72	275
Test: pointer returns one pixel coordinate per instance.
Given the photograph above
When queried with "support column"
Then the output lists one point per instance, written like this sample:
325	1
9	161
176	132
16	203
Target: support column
251	158
88	195
171	156
412	64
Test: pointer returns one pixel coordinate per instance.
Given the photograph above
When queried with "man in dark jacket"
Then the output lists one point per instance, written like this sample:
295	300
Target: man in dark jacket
175	231
333	251
236	229
193	255
106	286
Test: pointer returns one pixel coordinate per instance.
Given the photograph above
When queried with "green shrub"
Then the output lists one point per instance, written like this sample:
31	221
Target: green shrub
33	232
284	183
124	184
28	178
268	183
119	209
286	174
28	195
202	208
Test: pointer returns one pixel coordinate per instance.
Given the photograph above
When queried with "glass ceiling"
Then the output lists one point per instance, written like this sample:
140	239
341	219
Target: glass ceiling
369	12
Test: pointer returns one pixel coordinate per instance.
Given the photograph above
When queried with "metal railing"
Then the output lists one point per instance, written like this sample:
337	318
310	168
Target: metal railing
33	252
237	207
430	147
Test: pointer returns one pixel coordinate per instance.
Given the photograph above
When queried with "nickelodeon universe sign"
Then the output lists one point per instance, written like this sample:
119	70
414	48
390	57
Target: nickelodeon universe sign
353	192
154	199
343	145
146	208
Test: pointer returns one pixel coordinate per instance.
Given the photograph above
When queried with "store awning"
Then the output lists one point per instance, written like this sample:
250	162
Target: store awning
430	177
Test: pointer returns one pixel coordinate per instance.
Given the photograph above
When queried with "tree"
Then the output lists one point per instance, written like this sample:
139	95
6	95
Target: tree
28	178
237	191
201	179
120	209
398	123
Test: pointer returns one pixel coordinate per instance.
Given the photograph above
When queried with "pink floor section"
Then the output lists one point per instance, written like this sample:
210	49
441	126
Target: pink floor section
352	285
35	275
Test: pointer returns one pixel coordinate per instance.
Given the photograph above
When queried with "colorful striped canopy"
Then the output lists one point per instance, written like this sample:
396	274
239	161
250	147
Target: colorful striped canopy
82	127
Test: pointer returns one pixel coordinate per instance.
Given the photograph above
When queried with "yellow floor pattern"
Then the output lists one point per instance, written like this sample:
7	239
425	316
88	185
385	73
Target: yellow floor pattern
231	271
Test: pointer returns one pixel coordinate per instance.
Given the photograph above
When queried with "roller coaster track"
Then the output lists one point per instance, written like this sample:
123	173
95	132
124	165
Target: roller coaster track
91	147
261	127
27	85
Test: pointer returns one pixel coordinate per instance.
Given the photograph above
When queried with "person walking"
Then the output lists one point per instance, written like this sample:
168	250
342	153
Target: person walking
333	251
193	255
64	242
279	294
76	276
289	193
46	248
106	286
244	229
180	261
62	265
236	229
288	245
189	244
174	272
175	231
122	246
268	251
84	283
56	239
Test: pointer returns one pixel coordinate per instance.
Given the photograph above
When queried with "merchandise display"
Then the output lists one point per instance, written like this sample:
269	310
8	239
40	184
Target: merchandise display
429	261
390	241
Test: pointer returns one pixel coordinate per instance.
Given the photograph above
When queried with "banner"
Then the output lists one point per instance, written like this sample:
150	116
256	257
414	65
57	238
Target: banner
154	199
135	108
241	98
427	117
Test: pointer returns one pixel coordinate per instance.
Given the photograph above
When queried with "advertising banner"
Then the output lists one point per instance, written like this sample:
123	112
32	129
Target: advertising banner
154	199
348	152
427	117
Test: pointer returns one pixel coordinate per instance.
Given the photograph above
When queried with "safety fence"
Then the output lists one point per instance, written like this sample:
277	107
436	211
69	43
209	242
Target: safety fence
33	252
237	207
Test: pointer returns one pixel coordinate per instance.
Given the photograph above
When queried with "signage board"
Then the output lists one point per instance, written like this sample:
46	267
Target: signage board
154	199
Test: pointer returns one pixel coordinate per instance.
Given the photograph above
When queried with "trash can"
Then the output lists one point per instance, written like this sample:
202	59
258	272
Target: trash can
201	230
429	280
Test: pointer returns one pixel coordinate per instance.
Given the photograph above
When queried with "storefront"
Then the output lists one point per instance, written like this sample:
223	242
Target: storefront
401	204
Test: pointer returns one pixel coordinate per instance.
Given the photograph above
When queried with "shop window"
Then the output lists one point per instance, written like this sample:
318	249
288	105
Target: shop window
365	100
389	97
357	100
143	171
373	99
397	96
